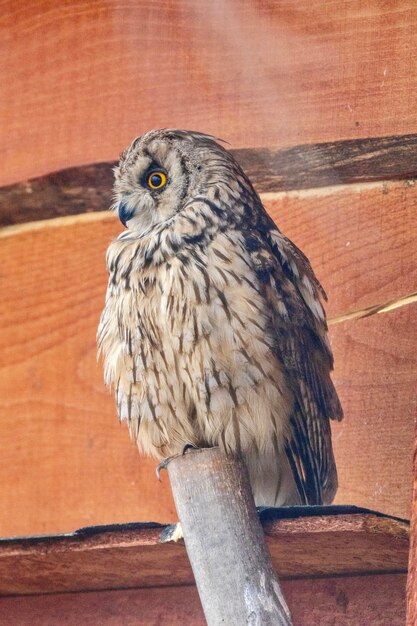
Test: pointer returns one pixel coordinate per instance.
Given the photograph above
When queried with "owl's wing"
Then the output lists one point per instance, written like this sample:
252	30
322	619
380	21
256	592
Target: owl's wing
294	295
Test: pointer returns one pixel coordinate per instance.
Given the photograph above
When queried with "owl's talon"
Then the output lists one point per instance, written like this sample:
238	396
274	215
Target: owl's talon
162	465
165	462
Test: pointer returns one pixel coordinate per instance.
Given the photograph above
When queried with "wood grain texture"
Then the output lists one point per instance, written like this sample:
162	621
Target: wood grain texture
375	374
362	601
360	239
412	563
68	192
331	163
65	460
89	188
133	556
80	79
345	601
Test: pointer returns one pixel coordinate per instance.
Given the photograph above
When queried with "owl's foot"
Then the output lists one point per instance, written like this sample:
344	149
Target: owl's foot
173	532
165	462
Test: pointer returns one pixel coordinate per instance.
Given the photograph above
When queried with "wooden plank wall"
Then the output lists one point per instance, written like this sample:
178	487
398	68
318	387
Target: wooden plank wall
81	79
345	601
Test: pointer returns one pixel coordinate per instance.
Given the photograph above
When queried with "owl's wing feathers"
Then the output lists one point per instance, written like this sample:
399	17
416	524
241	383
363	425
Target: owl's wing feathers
294	294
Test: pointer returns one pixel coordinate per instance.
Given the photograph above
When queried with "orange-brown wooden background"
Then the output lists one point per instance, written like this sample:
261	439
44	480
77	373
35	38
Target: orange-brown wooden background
78	80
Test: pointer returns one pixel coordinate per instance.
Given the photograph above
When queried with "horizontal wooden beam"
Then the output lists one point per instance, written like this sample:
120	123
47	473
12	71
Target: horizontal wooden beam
346	601
331	163
303	541
89	187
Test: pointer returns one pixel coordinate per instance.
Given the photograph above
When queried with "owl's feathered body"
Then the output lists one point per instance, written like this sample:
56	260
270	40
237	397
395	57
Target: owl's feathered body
213	331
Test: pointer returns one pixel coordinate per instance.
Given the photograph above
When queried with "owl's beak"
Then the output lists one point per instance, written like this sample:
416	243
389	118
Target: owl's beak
125	213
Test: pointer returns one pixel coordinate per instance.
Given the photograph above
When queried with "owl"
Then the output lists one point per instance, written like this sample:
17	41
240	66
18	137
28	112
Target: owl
213	331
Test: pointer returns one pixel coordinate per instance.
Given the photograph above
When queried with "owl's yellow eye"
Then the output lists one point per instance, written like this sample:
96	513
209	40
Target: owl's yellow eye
157	180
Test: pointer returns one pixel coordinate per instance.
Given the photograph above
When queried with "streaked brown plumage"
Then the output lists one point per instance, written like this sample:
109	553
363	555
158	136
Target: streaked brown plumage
213	331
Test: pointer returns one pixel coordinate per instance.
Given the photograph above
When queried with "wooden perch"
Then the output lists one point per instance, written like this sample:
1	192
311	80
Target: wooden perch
225	543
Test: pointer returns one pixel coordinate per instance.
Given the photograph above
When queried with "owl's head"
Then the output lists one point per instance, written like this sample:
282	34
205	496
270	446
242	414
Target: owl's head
163	170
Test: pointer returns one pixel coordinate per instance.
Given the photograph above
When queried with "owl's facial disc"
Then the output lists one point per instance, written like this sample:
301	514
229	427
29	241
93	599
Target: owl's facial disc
151	184
154	180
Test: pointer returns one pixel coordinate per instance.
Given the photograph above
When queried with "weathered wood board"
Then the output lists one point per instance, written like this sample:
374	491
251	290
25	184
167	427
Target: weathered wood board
360	239
132	578
345	601
80	80
88	188
375	375
302	543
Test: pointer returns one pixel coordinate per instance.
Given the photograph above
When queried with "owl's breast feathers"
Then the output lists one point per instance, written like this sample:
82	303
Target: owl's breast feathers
214	334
